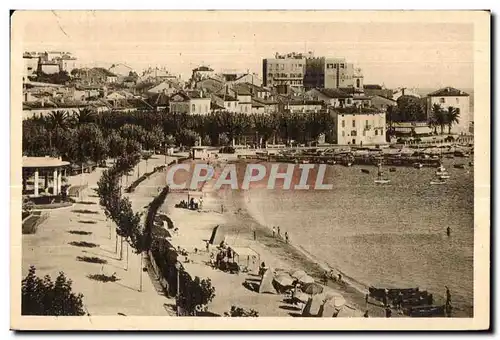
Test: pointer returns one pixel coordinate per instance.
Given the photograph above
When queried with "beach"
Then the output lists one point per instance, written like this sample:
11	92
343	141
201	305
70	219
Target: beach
248	218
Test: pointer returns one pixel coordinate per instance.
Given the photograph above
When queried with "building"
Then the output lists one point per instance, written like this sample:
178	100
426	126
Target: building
95	76
30	65
332	73
331	97
168	87
225	102
377	90
403	91
284	71
121	70
413	129
451	97
156	75
301	106
190	102
382	103
355	128
48	62
202	72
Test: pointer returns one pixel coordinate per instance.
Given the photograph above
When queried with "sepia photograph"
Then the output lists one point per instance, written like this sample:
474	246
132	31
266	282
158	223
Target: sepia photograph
310	170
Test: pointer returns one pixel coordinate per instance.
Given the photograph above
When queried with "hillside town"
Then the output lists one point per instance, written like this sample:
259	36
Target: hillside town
364	114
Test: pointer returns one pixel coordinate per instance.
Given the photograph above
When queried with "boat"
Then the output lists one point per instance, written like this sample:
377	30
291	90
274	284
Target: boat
460	153
441	170
365	171
418	165
392	169
438	182
380	179
459	166
444	176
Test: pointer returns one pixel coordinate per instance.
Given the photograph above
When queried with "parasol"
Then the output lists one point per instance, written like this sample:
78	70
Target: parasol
334	299
312	288
284	280
305	279
297	273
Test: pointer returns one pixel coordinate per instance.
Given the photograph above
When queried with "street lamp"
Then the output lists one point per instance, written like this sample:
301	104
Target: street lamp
178	268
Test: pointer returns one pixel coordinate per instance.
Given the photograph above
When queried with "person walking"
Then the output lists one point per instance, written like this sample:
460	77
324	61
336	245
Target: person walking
274	232
286	236
200	203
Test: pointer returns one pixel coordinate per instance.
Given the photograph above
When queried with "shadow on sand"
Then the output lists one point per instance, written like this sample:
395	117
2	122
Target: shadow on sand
79	232
85	211
87	222
83	244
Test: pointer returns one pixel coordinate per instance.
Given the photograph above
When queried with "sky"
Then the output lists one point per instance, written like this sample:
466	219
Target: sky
424	55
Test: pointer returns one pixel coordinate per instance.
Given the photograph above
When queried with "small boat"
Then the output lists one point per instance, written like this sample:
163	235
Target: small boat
418	165
380	179
444	176
365	171
459	166
305	161
392	169
437	182
460	153
348	164
441	170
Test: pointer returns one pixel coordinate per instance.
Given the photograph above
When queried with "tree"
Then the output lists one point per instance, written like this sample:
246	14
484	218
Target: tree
45	297
153	139
223	139
116	144
88	144
207	140
56	123
438	117
242	312
133	132
452	117
409	108
187	137
169	140
84	115
194	293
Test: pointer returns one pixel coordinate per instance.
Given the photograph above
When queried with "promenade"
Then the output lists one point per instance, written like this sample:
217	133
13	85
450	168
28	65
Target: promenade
50	251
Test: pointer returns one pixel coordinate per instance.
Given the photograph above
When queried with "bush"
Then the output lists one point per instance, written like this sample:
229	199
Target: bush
194	293
44	297
242	312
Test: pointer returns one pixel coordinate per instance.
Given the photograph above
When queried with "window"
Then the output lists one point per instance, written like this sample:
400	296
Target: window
343	133
381	132
353	133
334	65
364	132
343	123
193	108
441	100
357	83
376	132
366	123
342	65
353	123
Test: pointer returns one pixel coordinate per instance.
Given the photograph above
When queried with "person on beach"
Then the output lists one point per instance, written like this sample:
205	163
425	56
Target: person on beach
207	245
286	236
274	232
366	314
448	231
191	203
325	278
388	312
279	232
200	203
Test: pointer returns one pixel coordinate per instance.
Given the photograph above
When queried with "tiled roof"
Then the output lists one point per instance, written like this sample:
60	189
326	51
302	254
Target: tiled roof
215	106
227	97
334	93
372	87
202	68
448	92
242	89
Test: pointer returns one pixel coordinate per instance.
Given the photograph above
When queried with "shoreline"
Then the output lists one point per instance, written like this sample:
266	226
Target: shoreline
240	226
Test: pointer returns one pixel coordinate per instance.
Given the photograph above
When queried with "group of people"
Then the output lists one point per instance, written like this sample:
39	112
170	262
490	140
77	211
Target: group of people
279	234
191	204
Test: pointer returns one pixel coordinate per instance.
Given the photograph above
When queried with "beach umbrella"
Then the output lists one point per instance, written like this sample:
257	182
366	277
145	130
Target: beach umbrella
306	279
284	280
312	288
296	274
334	299
301	296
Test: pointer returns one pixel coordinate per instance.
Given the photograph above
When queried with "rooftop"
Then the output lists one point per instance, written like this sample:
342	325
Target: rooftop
334	93
448	92
203	68
43	162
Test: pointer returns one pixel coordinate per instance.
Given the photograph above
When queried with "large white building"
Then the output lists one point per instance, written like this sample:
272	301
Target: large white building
359	128
447	97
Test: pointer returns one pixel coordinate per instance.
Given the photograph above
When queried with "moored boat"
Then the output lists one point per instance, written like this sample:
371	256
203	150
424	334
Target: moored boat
438	182
392	169
459	166
444	176
365	171
418	165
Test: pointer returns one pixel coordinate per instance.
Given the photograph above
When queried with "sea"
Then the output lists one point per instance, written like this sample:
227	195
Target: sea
391	235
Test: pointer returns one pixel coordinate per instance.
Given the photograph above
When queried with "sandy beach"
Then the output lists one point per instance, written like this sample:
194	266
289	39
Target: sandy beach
196	226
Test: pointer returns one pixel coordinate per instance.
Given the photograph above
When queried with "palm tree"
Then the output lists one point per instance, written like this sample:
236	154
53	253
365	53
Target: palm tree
84	115
452	117
55	123
438	117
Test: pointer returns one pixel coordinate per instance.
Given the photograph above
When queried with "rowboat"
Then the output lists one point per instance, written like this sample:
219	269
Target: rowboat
459	166
418	165
438	182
